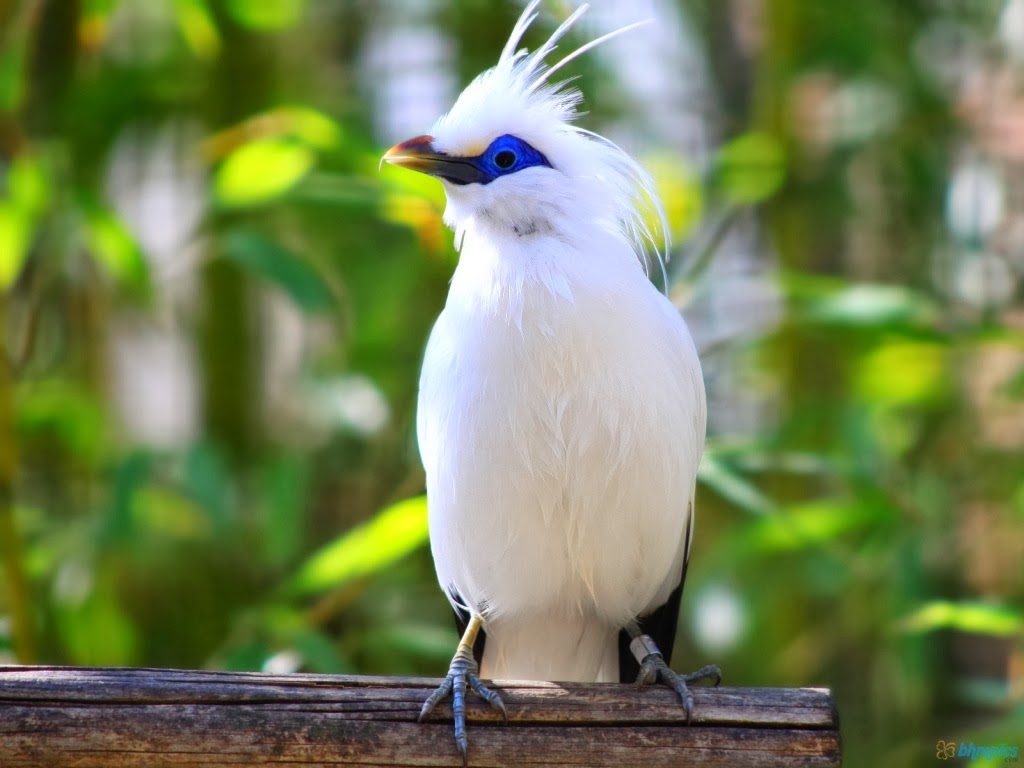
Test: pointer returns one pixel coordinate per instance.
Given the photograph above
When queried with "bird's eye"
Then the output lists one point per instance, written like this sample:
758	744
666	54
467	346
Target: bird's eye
504	156
505	159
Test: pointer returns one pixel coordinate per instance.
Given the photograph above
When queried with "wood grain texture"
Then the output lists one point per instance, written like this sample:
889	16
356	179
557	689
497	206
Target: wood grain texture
115	718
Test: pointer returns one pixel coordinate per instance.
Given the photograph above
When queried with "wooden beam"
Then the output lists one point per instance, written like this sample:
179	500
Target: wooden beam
115	718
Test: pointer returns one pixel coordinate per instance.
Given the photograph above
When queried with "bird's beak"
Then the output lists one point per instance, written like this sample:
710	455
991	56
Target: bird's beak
419	154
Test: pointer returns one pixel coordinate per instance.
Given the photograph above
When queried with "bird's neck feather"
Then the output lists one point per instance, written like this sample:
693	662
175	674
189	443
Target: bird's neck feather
506	266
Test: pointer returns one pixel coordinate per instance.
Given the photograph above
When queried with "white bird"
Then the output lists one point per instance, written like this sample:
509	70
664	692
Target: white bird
561	410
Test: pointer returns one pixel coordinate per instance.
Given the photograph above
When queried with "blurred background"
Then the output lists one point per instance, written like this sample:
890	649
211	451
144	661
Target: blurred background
213	309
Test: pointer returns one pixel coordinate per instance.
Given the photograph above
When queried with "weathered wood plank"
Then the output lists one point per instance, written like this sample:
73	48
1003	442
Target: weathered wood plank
115	718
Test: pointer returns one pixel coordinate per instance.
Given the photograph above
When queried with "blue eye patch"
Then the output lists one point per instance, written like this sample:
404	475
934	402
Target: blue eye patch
507	154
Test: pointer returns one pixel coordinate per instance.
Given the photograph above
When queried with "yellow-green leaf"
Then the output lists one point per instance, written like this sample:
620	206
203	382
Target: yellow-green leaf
15	235
27	185
366	549
28	193
197	27
680	191
309	125
265	15
751	168
902	373
979	618
94	628
261	171
810	524
113	247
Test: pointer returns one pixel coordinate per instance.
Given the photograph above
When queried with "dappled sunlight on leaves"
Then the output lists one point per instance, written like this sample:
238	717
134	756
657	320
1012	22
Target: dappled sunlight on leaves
195	226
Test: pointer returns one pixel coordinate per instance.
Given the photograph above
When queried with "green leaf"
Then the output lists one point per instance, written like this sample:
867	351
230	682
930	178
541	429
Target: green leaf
270	261
66	410
261	171
366	549
307	124
810	524
681	194
247	656
974	617
319	653
427	641
112	246
27	185
752	457
905	373
130	476
15	238
27	195
732	486
96	630
198	27
868	305
346	191
285	485
265	15
750	168
164	513
208	482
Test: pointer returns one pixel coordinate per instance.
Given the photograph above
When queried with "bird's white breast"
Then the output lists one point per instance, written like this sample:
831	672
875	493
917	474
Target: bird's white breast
561	421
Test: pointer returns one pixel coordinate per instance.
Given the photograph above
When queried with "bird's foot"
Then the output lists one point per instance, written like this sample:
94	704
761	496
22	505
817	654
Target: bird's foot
462	674
653	669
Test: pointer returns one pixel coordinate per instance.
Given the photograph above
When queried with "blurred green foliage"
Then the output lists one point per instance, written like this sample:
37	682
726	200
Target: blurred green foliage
213	309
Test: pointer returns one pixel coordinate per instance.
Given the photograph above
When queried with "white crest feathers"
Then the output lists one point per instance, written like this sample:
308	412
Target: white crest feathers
517	97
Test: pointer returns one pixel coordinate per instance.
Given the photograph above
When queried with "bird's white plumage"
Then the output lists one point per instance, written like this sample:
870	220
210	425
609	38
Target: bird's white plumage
561	409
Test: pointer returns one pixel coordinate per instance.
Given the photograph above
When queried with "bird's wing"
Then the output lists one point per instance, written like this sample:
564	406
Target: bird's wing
660	624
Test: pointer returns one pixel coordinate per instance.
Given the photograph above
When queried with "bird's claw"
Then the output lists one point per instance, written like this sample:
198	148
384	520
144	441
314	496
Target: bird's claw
653	669
462	674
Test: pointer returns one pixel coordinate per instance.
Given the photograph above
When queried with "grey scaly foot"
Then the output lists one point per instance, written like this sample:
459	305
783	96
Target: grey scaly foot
462	674
653	669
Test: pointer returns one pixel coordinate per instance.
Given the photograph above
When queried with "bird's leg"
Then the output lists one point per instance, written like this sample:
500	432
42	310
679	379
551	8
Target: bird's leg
653	668
462	673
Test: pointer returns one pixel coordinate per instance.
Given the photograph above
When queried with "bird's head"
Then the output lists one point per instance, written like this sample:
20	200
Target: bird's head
513	162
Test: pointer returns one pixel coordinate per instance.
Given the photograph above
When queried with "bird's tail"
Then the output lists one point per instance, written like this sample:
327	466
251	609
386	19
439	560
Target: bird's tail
582	650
